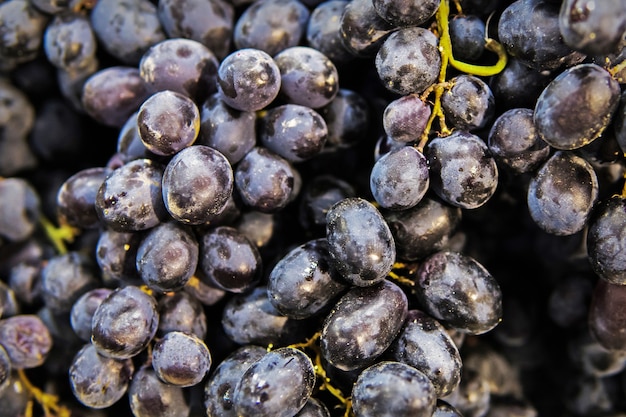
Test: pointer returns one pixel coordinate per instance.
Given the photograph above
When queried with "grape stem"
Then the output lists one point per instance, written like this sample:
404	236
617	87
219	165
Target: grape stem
59	236
49	402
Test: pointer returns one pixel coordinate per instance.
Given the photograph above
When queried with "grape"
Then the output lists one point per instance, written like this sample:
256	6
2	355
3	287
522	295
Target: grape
98	381
167	257
363	324
467	34
150	397
401	13
518	85
424	344
278	384
182	312
459	292
26	340
463	173
604	240
21	32
248	79
393	389
124	323
77	197
116	254
469	104
197	183
362	29
71	85
562	193
24	280
360	241
405	118
323	30
82	311
313	408
408	60
399	179
220	387
205	294
303	282
307	76
20	207
5	369
14	398
181	359
586	90
317	196
69	41
347	119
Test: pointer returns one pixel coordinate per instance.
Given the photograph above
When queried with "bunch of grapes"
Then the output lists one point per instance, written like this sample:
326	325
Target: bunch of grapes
312	208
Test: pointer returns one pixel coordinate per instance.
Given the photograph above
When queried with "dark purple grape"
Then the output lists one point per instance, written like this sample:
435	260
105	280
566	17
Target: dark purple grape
362	30
18	112
313	408
111	95
182	65
209	22
518	85
405	118
362	325
181	359
26	340
150	397
277	385
77	197
562	193
402	13
469	104
126	29
400	179
459	292
576	107
129	144
197	183
395	389
467	35
347	119
605	240
307	76
20	208
541	49
130	198
232	132
317	196
360	241
423	229
408	61
265	180
463	173
229	260
65	278
168	122
293	131
220	387
248	79
69	41
116	254
167	257
124	323
323	30
271	25
97	381
303	282
514	142
182	312
25	281
71	84
593	28
424	344
21	32
83	309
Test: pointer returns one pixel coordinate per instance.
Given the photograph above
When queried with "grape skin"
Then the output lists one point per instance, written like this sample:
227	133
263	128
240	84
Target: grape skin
26	339
150	397
181	359
606	240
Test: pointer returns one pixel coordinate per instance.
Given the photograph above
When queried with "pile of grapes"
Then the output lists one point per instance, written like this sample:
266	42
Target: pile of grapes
279	208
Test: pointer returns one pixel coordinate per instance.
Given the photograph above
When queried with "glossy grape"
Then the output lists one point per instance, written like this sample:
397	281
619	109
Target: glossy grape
20	208
469	104
69	41
605	239
405	118
402	13
323	30
82	311
77	197
362	29
181	359
26	340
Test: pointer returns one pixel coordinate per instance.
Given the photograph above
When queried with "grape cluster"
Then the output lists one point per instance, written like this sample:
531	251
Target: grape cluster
312	208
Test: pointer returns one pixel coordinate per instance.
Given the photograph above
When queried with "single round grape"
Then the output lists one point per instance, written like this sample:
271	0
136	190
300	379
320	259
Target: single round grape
362	30
97	381
514	142
82	311
606	319
181	359
168	122
303	282
459	292
562	193
229	260
405	118
288	380
150	397
77	197
362	325
271	25
18	112
293	131
197	183
360	241
20	208
463	173
69	41
25	281
408	61
248	79
400	179
124	323
167	257
182	65
467	35
469	104
424	344
220	387
576	107
307	76
183	312
406	13
22	31
395	389
265	180
116	255
130	198
323	30
606	238
26	340
347	119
